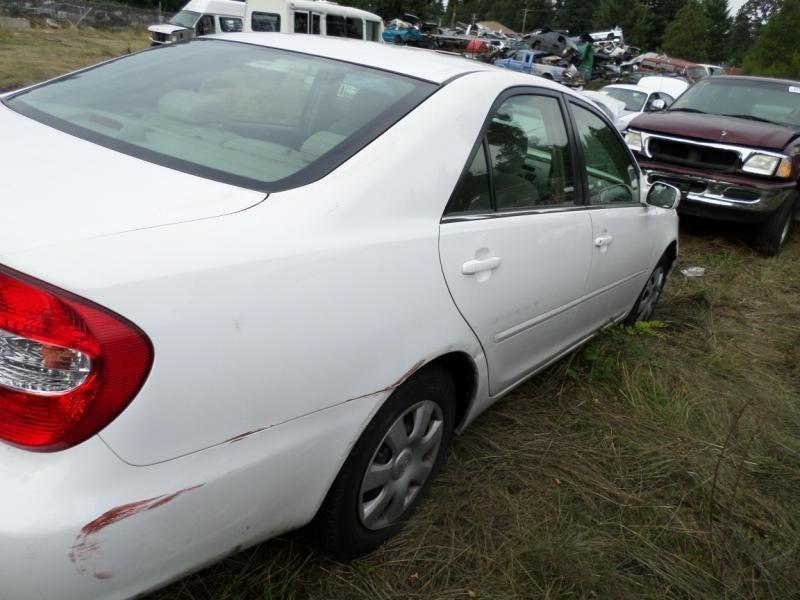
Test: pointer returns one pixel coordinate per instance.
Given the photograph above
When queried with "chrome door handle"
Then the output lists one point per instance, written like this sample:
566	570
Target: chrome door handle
603	240
478	265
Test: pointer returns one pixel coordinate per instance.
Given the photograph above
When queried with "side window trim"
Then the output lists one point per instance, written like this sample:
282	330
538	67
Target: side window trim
578	149
481	141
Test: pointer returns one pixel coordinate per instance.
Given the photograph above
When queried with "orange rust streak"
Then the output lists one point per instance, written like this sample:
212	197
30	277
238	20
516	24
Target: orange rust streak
242	436
408	374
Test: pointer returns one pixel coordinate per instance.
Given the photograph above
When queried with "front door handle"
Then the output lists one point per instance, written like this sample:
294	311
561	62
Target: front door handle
477	265
603	240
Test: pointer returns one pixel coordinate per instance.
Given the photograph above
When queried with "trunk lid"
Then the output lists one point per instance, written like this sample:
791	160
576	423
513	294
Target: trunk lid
59	188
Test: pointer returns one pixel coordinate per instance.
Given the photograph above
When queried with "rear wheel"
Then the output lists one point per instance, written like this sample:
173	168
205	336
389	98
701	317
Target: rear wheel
391	467
772	235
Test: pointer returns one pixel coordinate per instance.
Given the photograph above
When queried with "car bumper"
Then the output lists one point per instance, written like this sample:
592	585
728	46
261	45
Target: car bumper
735	199
81	524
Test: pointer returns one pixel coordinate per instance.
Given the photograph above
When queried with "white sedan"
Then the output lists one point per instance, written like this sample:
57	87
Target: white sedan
637	99
258	280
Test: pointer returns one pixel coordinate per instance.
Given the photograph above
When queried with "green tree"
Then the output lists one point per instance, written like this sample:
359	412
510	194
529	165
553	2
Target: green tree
685	37
719	26
575	16
746	26
659	13
628	14
776	52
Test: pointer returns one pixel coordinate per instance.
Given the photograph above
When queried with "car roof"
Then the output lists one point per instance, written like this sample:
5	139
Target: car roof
413	62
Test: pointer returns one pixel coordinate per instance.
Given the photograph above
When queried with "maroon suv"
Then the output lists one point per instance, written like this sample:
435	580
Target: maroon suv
732	146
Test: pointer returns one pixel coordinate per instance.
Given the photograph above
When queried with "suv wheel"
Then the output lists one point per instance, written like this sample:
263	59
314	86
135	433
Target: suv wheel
772	235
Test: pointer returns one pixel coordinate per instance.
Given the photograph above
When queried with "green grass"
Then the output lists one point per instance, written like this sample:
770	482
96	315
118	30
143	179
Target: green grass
661	462
28	57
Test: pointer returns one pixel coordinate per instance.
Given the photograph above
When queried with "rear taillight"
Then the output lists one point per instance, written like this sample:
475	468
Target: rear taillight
68	367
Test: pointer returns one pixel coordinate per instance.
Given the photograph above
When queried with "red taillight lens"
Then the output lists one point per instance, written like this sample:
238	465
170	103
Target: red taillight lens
68	367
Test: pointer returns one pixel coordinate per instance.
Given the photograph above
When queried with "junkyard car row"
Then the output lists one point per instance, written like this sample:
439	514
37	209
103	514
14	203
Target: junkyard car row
239	329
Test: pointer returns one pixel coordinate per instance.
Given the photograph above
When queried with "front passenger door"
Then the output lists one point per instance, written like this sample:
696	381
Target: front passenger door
515	243
621	224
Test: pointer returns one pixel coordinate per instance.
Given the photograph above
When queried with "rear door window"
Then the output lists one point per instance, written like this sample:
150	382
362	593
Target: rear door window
355	28
230	24
300	22
335	26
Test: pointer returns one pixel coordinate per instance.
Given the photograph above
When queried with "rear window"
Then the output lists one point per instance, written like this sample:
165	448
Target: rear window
257	117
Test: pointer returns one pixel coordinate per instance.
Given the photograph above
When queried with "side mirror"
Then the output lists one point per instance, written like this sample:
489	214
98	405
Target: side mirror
663	195
657	105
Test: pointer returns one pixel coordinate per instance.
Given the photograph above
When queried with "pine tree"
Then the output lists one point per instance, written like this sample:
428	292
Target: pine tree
575	16
719	26
686	36
659	14
747	24
775	52
628	14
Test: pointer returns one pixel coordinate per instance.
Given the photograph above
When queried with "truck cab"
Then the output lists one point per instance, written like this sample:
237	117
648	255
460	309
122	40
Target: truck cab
197	18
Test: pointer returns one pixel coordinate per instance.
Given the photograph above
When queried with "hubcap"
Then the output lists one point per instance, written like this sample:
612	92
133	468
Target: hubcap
650	294
400	465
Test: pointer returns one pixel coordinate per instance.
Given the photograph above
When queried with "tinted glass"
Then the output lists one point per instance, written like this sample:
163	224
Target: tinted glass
335	25
355	28
230	24
749	98
265	22
315	24
610	173
372	31
301	22
234	112
472	193
530	154
205	26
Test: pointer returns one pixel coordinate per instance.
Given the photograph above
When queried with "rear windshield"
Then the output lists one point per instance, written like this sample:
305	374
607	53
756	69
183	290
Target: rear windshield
758	100
256	117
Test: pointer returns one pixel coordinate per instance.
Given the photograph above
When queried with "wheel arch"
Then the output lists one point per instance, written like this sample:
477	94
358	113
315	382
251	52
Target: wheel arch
462	369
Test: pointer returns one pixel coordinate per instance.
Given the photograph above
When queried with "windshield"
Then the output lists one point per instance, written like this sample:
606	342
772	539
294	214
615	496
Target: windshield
257	117
749	98
185	18
696	72
634	101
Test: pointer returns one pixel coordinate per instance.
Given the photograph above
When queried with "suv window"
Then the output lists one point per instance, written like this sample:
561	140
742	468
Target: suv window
611	176
260	21
301	22
230	24
335	26
529	153
355	28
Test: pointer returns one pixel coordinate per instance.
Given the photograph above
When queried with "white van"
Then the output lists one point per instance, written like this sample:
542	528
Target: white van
199	17
316	17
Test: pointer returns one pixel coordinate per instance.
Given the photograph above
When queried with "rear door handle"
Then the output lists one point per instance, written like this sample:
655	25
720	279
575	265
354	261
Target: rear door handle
603	240
478	265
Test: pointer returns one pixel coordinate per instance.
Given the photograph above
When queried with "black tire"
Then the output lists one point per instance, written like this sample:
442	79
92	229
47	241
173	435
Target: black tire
648	297
398	40
773	234
339	524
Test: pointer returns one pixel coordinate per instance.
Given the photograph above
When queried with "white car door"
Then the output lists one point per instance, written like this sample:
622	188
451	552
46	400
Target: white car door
515	244
622	226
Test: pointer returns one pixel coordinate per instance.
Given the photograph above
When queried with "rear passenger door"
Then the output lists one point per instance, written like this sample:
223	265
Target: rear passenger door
515	242
622	226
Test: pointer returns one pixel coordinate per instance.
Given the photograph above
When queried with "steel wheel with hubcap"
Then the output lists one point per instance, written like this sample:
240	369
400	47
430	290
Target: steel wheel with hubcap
648	298
391	467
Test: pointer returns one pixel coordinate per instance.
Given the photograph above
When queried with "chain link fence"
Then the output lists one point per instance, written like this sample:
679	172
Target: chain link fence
83	12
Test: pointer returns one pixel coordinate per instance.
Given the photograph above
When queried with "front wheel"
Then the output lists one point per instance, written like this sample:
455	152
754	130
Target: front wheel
391	467
771	235
648	298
